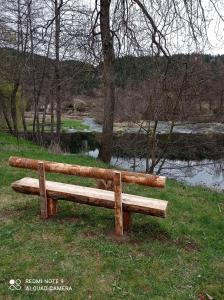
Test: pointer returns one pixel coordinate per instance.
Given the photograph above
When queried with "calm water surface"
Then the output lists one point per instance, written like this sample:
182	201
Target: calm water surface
208	173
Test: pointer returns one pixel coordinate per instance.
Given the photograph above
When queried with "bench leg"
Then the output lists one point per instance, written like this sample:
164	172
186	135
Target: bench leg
118	204
43	194
52	206
126	220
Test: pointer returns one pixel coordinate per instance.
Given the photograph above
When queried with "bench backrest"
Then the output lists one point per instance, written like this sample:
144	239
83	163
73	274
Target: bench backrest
91	172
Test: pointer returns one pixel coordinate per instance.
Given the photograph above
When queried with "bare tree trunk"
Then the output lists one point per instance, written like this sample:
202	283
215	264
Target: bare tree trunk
210	105
22	112
35	118
148	147
7	120
57	69
153	146
21	47
108	79
13	107
44	115
36	93
162	156
52	116
24	122
221	102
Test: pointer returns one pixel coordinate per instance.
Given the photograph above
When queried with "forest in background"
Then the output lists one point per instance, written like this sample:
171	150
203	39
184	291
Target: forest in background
140	88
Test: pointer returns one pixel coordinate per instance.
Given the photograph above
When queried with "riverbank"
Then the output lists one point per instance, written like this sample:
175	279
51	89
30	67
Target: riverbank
179	257
197	159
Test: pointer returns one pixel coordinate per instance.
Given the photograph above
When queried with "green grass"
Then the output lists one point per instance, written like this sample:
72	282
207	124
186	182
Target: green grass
65	125
178	257
73	124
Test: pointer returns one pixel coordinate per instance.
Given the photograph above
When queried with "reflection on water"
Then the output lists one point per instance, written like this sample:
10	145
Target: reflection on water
162	127
206	172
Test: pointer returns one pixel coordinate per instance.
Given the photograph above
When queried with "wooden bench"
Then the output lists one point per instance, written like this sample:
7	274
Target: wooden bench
123	204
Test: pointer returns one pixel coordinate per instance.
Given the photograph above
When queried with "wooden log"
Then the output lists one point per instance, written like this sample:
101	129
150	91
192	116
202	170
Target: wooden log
92	196
126	220
52	206
42	191
97	173
118	204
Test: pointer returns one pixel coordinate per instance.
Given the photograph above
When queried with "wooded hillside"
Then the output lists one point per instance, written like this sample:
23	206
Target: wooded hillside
183	87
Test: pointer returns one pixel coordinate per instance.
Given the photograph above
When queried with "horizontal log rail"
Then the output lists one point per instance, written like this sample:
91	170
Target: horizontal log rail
91	172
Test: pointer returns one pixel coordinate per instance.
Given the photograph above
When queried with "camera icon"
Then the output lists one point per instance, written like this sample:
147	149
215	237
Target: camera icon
15	284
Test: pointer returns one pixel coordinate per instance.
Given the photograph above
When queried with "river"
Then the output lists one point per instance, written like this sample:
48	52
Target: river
202	164
209	173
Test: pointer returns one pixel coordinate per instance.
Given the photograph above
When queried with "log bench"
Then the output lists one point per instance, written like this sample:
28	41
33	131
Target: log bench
123	204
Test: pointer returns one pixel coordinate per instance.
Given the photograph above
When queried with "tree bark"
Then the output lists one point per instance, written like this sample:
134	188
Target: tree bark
44	115
7	120
13	107
57	69
108	80
52	115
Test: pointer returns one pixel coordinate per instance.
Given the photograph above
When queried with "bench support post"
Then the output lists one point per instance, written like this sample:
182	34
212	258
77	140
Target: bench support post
52	206
127	220
43	194
118	204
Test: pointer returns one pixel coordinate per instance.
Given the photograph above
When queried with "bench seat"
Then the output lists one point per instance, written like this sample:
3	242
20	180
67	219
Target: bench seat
92	196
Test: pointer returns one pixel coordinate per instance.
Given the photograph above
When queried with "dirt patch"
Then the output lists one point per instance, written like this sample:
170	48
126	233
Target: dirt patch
182	242
111	236
90	234
153	233
187	243
5	218
69	220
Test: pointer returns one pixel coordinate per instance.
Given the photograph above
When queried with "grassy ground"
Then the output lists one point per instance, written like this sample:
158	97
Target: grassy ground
73	124
180	257
65	125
